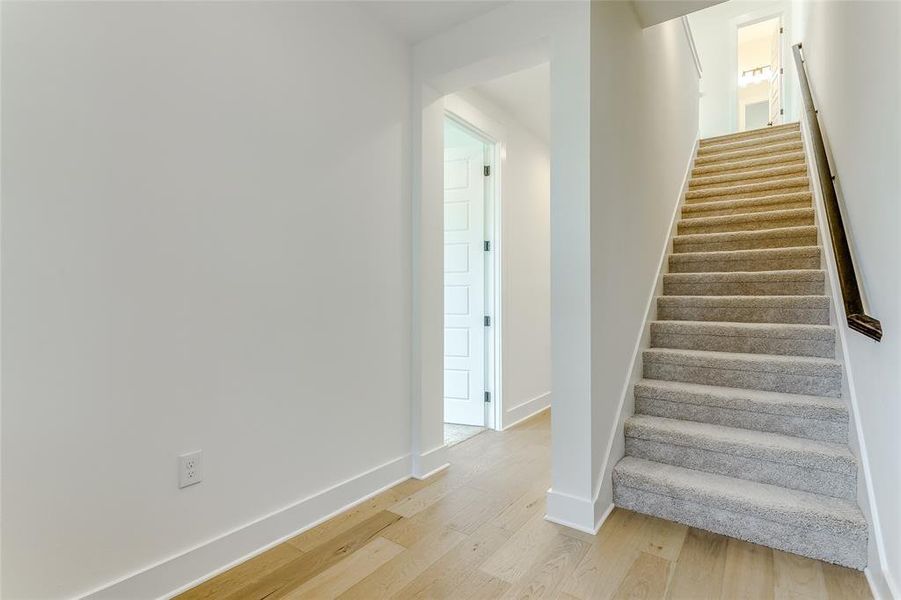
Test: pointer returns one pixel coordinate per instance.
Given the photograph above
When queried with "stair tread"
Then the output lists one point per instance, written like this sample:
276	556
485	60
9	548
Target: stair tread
757	301
775	447
794	231
770	215
775	330
751	142
760	131
781	403
730	190
771	502
760	173
788	157
728	156
736	276
702	207
748	254
809	365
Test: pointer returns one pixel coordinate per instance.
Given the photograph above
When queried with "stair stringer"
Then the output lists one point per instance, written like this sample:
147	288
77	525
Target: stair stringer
876	567
616	446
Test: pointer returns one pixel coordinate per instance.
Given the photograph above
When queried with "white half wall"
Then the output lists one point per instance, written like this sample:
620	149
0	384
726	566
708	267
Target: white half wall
852	52
644	106
205	245
524	250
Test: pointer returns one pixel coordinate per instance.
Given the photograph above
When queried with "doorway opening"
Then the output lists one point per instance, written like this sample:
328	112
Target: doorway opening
760	74
469	177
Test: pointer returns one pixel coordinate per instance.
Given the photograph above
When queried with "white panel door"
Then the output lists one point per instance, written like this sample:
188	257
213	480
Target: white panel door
464	280
776	79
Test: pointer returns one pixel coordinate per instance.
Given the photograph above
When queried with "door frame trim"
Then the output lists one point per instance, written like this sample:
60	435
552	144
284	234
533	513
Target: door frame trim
494	150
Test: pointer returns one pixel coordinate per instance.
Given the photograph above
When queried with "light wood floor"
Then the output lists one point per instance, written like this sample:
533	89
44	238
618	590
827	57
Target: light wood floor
477	531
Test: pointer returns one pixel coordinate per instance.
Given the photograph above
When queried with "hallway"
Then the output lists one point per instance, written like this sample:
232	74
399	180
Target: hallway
477	530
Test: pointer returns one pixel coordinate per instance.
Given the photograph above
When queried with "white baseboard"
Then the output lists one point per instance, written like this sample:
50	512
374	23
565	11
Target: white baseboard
187	569
427	464
570	511
526	410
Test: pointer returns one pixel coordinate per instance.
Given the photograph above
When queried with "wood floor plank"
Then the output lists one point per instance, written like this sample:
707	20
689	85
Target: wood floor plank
608	560
444	577
845	584
545	576
310	564
523	548
748	573
646	579
308	540
435	518
344	574
243	575
797	577
521	510
396	574
423	498
660	537
698	571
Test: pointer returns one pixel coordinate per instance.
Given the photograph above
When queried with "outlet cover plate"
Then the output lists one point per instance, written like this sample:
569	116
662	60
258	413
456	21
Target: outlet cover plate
190	468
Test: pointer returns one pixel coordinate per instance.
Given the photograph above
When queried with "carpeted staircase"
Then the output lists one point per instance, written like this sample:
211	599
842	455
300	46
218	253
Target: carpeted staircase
739	424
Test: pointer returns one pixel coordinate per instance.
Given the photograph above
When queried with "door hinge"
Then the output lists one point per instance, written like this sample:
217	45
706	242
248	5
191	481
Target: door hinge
487	321
781	111
487	170
781	71
487	396
780	30
487	245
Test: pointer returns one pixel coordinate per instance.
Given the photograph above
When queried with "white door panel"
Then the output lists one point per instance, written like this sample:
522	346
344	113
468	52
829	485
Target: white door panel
464	277
776	79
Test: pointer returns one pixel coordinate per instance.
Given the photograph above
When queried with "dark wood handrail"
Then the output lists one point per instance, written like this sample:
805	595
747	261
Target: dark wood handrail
858	320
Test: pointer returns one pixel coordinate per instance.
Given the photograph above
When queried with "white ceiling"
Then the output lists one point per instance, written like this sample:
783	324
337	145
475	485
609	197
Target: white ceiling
416	20
525	95
651	12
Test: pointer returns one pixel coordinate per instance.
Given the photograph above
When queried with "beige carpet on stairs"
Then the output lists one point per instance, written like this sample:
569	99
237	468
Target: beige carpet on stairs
740	427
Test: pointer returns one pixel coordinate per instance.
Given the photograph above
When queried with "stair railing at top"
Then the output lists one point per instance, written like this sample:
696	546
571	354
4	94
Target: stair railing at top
858	320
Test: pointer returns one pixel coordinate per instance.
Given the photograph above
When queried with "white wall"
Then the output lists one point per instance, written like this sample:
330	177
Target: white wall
525	254
856	90
714	32
205	244
640	149
515	36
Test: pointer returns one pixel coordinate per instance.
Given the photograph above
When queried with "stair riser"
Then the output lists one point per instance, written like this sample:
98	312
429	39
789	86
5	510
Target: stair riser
809	316
805	479
749	153
811	429
743	344
751	177
752	265
690	227
745	144
756	207
751	164
848	550
752	134
757	242
814	385
743	194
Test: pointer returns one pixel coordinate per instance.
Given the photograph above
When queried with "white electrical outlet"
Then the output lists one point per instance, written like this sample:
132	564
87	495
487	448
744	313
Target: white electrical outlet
190	468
